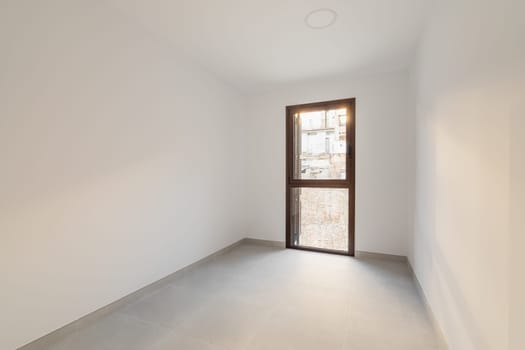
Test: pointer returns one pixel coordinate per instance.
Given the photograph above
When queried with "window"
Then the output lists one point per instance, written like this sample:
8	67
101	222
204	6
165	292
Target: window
320	176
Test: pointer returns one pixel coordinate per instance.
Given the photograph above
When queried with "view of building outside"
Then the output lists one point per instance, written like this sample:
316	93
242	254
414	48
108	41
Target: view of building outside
322	217
321	144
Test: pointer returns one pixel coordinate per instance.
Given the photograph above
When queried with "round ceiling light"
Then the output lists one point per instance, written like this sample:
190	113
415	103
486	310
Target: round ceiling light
320	18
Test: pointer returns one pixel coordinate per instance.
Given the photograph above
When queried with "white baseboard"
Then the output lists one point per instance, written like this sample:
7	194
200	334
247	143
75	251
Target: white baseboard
265	242
361	254
441	337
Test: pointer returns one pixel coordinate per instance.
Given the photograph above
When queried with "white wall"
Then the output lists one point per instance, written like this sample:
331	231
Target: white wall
517	194
384	159
469	88
517	279
120	163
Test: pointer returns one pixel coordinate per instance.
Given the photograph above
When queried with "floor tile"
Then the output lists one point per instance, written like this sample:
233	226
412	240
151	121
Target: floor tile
175	342
114	332
257	298
170	307
228	322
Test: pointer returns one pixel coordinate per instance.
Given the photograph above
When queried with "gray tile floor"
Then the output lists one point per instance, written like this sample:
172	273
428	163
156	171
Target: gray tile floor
257	297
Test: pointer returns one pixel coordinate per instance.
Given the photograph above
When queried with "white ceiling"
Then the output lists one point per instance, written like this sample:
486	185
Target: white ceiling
254	44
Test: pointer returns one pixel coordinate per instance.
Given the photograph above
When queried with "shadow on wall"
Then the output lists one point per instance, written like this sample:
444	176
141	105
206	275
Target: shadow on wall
462	222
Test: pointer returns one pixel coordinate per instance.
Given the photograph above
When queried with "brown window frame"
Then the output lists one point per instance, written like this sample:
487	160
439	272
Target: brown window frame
347	183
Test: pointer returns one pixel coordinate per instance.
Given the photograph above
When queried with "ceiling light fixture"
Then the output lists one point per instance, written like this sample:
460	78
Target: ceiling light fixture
320	18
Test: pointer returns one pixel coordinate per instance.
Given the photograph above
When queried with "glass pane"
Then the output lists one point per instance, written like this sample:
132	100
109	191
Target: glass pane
320	144
319	218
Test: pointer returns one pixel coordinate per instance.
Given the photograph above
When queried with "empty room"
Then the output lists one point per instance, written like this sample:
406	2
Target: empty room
262	174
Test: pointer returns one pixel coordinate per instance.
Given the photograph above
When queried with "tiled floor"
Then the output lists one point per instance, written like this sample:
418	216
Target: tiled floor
257	297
